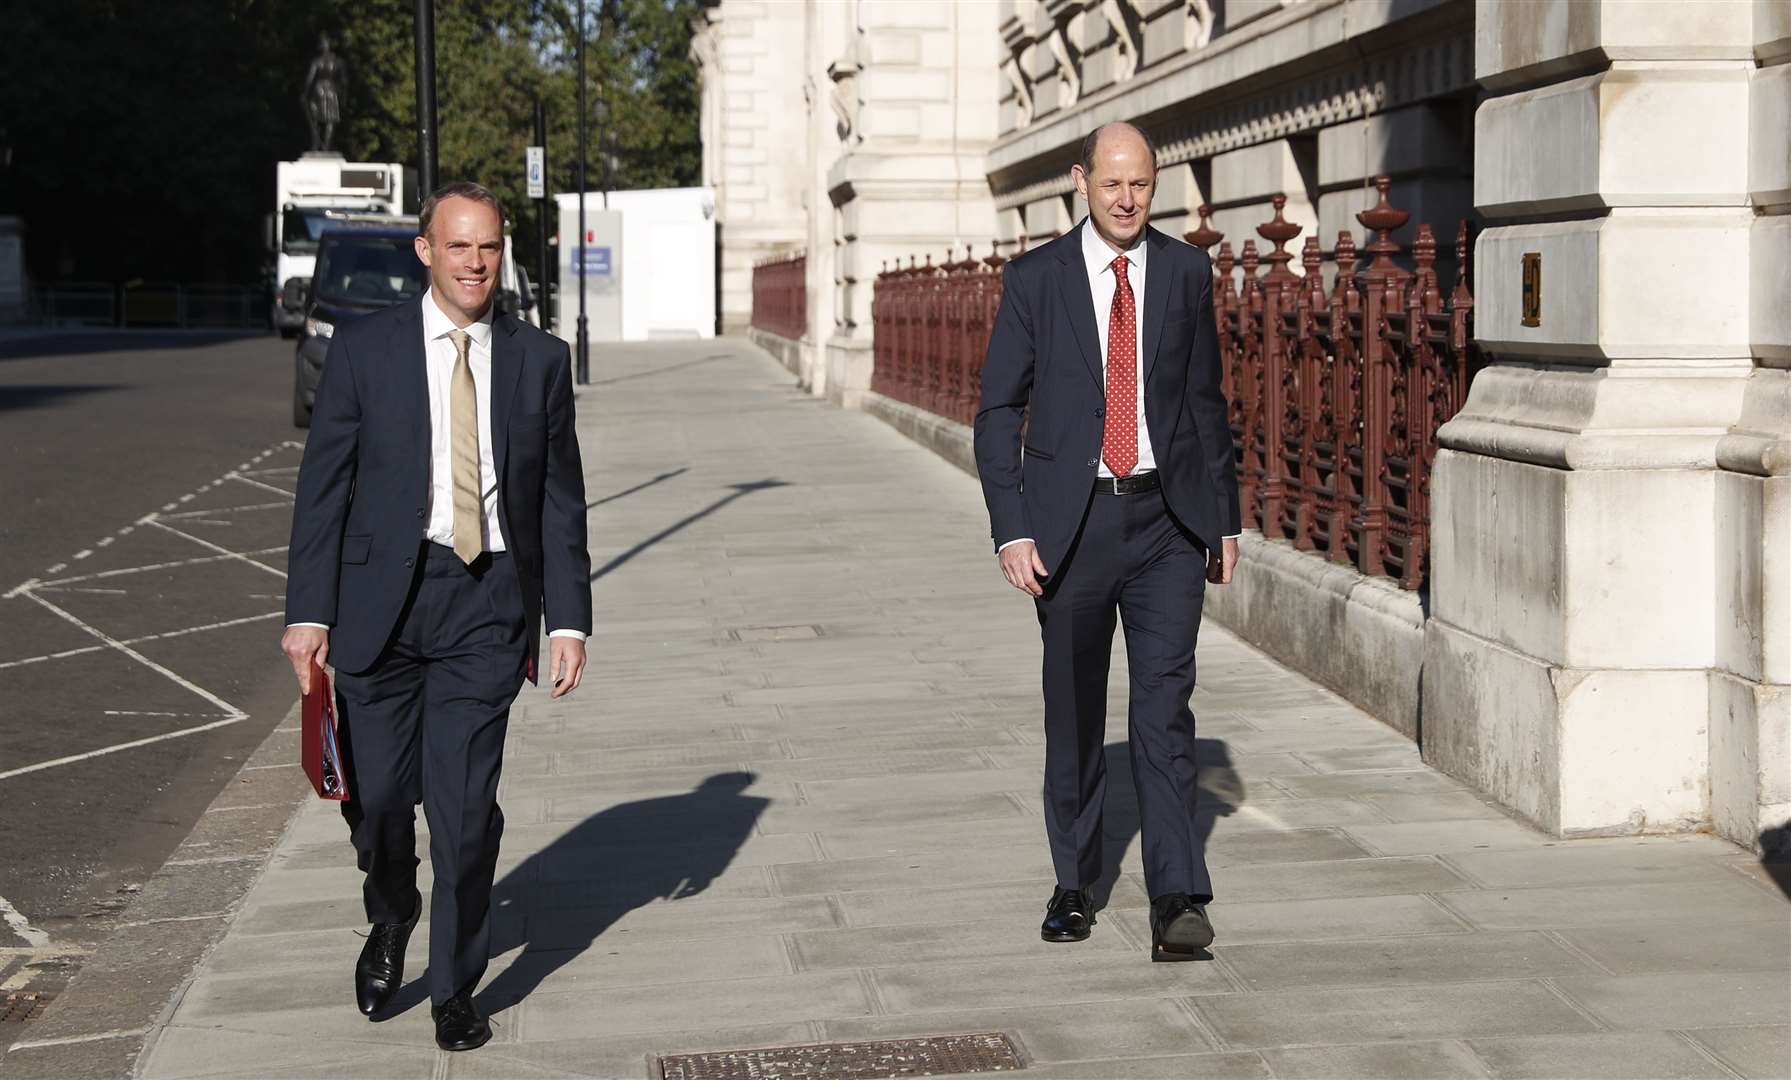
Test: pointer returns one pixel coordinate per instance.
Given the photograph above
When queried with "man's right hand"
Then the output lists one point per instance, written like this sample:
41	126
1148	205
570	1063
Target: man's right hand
1020	564
302	645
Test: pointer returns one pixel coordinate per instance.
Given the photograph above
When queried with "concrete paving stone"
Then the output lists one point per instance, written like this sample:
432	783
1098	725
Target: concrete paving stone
841	768
918	870
1242	1066
831	696
1447	837
1341	878
1684	999
1326	920
126	984
1022	901
651	757
1387	1014
877	840
1368	759
95	1059
1442	806
627	882
699	918
650	859
1251	847
872	790
1345	785
1376	1061
1690	903
613	960
1772	878
1641	860
1306	741
1403	961
788	818
327	1041
616	1057
663	808
1141	1026
637	784
1278	813
1012	935
1759	1053
957	737
1643	948
1616	1055
1074	975
744	1002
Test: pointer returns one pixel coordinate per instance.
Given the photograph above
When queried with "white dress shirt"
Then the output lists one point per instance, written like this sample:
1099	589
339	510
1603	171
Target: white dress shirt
439	358
1097	259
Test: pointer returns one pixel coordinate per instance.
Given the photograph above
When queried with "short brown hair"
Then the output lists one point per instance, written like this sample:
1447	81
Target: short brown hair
1093	140
459	189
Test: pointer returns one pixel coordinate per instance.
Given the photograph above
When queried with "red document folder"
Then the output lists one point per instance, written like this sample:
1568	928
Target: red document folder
320	749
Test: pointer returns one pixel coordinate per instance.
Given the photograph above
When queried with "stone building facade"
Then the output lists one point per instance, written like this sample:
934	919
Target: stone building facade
1605	642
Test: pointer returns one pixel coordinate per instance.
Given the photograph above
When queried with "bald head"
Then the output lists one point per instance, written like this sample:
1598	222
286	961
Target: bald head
1115	135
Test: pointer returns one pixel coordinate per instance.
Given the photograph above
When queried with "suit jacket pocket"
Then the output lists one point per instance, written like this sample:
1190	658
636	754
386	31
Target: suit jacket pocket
1040	454
355	548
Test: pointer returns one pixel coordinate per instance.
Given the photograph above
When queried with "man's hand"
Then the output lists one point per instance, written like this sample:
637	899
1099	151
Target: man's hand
1220	566
565	664
303	644
1020	564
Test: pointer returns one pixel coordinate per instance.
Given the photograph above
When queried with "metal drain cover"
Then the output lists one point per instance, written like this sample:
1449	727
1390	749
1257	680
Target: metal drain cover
940	1055
19	1006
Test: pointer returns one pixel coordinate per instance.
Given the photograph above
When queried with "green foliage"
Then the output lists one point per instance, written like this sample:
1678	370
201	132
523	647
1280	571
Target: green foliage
144	139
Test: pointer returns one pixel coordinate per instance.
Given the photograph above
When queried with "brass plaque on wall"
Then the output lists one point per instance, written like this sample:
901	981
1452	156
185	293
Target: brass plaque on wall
1532	288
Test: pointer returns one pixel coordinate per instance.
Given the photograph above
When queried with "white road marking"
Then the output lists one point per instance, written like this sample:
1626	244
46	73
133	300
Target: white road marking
79	555
222	550
243	479
18	925
74	588
195	561
83	650
287	505
73	758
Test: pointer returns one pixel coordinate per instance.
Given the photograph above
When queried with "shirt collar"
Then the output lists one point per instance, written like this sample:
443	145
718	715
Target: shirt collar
1099	256
436	323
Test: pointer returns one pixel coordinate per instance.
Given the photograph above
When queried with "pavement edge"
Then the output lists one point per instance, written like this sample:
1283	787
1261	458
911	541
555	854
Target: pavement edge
108	1016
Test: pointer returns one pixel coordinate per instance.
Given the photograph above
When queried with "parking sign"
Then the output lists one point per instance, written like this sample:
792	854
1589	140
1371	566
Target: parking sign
537	172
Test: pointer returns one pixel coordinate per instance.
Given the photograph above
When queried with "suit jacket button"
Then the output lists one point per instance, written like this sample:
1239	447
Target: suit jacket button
410	562
1093	461
1100	412
419	513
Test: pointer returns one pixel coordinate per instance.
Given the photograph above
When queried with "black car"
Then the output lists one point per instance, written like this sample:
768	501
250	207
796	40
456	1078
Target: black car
361	267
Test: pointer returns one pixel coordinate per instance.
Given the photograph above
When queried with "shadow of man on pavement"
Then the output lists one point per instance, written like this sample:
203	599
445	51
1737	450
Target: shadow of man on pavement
1221	793
570	892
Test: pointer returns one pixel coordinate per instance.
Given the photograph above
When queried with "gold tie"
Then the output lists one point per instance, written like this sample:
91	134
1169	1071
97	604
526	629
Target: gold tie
463	417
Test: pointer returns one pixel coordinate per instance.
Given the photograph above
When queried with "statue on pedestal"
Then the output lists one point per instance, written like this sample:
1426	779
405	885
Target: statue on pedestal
322	96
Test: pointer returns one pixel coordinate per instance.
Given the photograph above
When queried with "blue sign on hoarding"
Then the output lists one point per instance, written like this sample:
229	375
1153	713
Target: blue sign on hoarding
595	259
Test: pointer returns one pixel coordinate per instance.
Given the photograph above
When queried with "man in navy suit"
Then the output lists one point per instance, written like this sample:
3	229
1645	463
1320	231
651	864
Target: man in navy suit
440	513
1117	496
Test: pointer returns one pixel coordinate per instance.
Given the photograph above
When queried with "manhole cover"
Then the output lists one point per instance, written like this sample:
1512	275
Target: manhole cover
776	633
19	1006
941	1055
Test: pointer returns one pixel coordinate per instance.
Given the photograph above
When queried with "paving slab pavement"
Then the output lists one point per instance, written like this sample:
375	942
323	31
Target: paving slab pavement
796	801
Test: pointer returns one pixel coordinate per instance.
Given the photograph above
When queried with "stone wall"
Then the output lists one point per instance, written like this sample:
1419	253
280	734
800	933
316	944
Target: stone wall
1610	642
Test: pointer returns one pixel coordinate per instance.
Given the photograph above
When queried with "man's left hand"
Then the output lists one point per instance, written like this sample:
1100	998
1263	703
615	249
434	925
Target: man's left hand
565	664
1219	566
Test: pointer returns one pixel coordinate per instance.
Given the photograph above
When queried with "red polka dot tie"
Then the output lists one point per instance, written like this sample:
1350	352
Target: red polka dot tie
1119	442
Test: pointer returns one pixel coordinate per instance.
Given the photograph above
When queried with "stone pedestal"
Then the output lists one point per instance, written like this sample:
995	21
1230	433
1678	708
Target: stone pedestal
1608	565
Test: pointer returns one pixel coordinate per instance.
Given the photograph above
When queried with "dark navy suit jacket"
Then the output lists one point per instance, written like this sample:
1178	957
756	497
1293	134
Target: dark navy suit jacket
1044	351
363	491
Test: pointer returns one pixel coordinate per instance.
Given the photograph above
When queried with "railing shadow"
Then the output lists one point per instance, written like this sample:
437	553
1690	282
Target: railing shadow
1221	793
739	491
614	862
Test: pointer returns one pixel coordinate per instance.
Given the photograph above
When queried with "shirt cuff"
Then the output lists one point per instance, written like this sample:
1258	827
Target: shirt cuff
1011	543
579	634
320	626
1233	536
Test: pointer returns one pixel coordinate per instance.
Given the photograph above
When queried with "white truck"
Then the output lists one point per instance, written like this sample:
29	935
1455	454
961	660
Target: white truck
304	191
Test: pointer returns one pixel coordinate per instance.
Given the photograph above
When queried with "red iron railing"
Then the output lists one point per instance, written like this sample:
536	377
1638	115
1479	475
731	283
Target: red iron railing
780	295
1336	394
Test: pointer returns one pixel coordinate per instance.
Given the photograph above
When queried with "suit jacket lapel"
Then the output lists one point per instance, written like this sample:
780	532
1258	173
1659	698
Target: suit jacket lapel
1078	298
506	369
1157	273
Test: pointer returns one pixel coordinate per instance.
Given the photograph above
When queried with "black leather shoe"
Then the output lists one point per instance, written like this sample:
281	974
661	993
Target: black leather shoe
458	1025
1179	928
380	970
1068	917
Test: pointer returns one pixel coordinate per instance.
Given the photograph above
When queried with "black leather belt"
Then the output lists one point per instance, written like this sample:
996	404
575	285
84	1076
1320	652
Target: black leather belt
1136	484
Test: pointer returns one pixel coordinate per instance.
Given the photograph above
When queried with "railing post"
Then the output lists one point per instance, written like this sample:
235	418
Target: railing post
1280	407
1385	283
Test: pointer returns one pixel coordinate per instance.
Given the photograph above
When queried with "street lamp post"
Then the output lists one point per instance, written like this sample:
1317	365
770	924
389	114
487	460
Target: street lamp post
541	209
584	340
425	97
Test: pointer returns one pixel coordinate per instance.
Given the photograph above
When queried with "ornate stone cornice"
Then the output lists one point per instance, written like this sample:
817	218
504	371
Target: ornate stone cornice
1193	129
